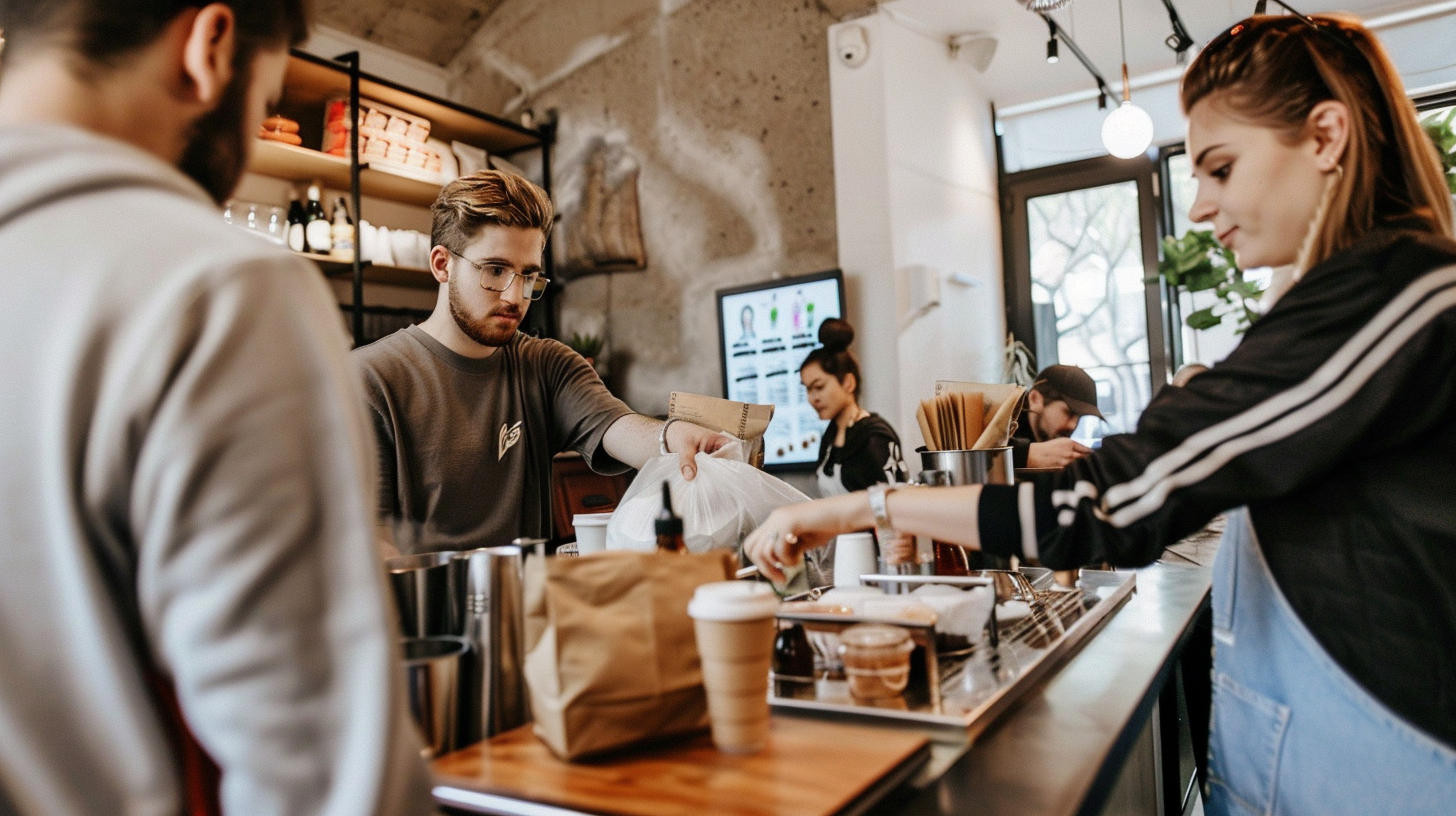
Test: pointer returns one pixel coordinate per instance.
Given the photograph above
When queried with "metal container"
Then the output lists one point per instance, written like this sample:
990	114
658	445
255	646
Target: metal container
493	673
432	670
426	595
967	467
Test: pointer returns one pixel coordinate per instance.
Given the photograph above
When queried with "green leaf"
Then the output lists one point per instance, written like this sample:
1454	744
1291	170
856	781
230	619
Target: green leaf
1197	262
1203	319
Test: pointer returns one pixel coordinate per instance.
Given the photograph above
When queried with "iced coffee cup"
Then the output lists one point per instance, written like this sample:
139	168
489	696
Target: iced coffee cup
734	621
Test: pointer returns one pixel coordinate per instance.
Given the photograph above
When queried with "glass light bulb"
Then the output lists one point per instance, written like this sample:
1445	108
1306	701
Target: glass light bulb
1127	131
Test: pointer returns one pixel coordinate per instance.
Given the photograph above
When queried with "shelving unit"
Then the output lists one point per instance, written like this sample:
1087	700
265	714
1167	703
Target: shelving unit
309	83
375	273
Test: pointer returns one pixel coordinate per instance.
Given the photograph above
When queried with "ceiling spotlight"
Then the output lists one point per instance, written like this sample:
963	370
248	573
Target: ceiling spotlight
1052	51
1043	5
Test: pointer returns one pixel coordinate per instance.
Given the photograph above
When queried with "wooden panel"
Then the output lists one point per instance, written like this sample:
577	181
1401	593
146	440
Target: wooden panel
300	164
576	488
310	82
810	768
374	273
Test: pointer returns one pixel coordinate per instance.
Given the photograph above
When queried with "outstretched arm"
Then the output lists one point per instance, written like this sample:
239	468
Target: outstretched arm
943	513
634	439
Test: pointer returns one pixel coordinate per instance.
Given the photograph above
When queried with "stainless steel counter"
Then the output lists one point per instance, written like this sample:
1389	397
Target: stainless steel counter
1062	749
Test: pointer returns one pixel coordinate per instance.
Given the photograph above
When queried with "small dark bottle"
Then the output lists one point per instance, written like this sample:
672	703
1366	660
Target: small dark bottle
668	526
793	663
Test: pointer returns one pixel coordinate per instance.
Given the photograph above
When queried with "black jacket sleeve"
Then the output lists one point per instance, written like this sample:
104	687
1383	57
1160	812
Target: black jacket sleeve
1020	450
1353	363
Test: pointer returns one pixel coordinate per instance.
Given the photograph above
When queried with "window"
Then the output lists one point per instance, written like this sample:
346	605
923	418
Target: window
1206	346
1081	242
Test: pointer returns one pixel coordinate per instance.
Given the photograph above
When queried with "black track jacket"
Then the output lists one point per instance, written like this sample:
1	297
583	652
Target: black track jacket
1334	421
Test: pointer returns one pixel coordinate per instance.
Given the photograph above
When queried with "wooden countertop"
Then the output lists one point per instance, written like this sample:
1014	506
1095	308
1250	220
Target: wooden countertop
808	769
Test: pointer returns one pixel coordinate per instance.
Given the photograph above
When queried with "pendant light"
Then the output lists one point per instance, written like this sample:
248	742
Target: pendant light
1128	130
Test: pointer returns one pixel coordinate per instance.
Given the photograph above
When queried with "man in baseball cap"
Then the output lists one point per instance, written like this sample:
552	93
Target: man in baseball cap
1057	401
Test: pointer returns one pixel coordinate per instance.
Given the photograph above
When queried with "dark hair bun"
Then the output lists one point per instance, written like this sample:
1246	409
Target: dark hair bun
835	335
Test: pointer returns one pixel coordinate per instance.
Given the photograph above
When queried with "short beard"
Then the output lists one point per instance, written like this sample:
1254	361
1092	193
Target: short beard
216	153
476	330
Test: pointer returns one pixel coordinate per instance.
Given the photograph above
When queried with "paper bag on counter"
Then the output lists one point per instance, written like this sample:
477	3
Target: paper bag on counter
745	420
611	655
1002	404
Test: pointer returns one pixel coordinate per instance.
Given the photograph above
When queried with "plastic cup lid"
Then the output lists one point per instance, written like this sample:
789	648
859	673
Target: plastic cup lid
734	601
873	636
591	519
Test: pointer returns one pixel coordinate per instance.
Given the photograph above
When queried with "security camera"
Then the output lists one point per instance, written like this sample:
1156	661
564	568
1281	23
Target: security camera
852	44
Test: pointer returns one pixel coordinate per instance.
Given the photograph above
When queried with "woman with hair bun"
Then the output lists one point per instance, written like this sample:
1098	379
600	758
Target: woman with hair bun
1329	433
859	448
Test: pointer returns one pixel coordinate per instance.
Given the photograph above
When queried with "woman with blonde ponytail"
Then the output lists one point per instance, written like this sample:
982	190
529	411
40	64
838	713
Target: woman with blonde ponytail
1328	435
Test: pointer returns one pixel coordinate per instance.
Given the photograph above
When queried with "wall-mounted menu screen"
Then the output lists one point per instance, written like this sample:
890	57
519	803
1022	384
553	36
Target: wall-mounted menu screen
765	331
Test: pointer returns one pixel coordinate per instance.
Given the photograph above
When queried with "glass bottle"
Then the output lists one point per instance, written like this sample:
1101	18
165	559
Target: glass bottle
669	526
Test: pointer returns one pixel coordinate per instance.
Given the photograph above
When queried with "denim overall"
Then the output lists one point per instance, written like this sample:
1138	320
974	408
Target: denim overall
1292	733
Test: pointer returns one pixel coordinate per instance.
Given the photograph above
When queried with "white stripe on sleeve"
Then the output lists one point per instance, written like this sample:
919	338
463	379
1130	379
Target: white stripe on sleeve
1026	509
1326	376
1332	399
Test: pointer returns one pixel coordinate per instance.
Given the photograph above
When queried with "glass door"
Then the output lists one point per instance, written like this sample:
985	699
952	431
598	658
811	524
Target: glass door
1081	279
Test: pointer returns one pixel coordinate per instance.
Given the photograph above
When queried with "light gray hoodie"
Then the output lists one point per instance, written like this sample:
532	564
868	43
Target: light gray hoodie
186	495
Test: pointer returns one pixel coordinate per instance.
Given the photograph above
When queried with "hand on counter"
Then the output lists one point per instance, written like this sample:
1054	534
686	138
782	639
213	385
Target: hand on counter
1056	453
947	514
788	531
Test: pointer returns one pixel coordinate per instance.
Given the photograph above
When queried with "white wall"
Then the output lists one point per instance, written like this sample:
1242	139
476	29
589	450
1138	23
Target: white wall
915	185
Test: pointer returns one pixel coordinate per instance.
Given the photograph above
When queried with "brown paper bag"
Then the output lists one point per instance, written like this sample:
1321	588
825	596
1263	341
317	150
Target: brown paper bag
611	656
1003	403
745	420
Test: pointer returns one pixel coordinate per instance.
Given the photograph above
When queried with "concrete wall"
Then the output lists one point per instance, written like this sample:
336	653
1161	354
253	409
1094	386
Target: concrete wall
724	107
915	186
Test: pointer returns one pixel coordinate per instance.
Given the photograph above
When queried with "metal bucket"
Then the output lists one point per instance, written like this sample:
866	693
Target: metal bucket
432	669
426	595
967	467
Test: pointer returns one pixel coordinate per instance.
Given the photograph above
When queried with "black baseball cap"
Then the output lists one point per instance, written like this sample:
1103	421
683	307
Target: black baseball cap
1074	386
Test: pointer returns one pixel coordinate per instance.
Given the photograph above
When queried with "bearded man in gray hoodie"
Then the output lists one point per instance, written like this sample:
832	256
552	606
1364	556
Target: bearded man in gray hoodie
188	589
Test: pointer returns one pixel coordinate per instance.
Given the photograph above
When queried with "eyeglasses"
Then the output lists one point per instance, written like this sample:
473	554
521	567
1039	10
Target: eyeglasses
497	278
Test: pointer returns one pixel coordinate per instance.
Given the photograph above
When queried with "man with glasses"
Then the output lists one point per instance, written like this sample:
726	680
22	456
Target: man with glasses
468	410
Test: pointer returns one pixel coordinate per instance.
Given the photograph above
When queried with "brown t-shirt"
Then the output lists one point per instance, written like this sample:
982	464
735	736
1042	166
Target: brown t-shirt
465	445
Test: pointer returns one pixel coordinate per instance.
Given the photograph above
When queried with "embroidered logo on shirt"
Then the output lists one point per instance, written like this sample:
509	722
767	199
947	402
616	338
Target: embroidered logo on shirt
509	436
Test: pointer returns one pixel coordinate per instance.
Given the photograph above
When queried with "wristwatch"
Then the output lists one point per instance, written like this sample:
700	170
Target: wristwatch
878	492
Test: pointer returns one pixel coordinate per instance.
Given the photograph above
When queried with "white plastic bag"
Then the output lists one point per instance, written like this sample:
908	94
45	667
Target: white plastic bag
727	501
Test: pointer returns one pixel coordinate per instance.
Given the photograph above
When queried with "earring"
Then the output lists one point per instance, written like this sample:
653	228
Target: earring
1332	183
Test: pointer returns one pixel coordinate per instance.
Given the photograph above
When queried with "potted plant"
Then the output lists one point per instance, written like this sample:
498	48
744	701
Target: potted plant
1441	127
587	345
1197	262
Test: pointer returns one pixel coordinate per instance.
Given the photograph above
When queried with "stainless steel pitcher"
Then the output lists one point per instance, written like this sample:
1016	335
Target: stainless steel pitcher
432	671
985	466
493	672
425	595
